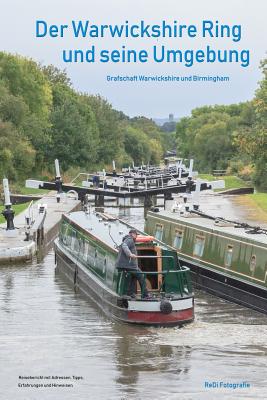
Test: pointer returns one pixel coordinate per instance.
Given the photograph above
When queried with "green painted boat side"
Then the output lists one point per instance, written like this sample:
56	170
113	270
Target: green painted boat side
227	255
215	248
86	255
99	257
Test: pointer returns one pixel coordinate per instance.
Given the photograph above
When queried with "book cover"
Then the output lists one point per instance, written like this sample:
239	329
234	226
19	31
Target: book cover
94	83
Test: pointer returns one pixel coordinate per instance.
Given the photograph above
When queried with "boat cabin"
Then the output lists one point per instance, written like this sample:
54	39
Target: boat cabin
225	257
86	253
94	239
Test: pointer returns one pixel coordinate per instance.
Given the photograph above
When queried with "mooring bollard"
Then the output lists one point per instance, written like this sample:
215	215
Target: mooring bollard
8	213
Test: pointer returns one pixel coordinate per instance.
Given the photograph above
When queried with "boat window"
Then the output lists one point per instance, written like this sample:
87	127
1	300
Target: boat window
63	232
199	246
91	254
178	239
104	265
66	234
77	245
85	250
228	256
73	239
252	265
159	231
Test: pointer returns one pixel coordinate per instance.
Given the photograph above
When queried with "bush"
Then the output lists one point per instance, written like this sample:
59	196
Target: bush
246	172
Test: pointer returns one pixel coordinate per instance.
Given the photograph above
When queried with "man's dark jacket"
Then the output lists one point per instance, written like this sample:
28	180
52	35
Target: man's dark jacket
126	249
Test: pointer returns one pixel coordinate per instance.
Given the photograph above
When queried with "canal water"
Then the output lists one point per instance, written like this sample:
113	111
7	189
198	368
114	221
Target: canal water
55	344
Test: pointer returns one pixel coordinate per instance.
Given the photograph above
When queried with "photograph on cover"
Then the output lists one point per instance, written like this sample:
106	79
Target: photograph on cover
133	188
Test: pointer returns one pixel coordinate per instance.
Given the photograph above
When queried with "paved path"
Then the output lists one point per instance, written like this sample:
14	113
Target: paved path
13	246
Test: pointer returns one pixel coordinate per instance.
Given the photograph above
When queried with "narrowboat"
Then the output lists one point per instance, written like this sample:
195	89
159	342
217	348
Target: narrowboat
226	258
86	252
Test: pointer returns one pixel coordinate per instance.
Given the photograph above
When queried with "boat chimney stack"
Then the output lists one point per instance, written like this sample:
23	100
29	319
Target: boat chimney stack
8	213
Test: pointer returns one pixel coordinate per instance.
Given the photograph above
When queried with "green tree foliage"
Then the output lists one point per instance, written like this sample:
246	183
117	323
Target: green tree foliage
147	125
42	117
74	133
137	145
142	140
55	75
24	78
17	157
110	136
169	126
252	139
26	100
12	108
209	134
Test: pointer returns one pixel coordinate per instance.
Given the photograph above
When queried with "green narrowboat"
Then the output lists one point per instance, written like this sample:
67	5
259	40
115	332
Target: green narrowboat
225	258
86	251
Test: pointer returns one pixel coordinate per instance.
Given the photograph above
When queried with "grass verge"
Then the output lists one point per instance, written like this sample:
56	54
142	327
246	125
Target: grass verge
18	208
260	199
231	181
24	190
255	205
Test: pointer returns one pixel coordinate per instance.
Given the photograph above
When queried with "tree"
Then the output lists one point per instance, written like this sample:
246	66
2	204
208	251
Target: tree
137	145
17	157
252	139
209	135
24	78
74	133
110	136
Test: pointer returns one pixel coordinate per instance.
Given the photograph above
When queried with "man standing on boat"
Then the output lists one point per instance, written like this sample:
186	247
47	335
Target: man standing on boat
127	261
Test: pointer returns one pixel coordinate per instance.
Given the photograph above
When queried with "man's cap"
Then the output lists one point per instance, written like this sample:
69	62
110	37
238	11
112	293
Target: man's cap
133	231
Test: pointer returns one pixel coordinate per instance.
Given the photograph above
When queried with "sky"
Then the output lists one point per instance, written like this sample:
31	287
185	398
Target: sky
152	99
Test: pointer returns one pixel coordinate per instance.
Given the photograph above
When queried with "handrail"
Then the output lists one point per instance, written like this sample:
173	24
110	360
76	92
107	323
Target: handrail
182	281
154	272
155	257
78	175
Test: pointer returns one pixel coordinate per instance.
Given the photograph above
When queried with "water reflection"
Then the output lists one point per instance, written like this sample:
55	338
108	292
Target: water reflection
138	356
6	297
46	327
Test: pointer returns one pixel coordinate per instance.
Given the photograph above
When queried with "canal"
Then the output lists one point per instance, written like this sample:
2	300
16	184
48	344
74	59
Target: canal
56	345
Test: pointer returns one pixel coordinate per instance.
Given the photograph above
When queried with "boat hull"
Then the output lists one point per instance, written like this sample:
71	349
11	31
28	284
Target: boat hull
137	312
223	260
228	288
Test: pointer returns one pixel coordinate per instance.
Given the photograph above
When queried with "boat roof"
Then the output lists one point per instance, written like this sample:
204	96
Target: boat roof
208	225
109	229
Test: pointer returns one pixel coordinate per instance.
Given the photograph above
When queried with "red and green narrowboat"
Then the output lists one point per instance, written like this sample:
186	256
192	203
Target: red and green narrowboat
86	252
